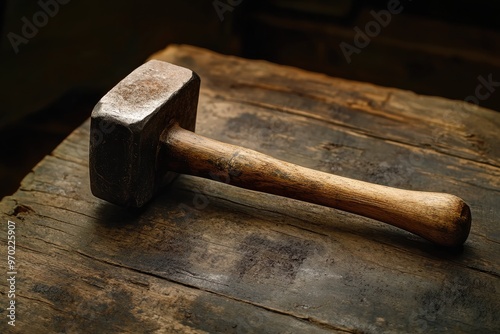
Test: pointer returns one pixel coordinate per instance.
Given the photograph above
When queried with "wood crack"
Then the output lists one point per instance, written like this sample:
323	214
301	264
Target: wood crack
58	156
484	271
406	251
308	230
43	302
485	237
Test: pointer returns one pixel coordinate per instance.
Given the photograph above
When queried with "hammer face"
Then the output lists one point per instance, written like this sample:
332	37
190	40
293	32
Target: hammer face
126	125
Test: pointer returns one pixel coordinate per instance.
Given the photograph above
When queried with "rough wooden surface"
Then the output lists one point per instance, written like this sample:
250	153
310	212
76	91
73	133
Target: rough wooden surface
207	257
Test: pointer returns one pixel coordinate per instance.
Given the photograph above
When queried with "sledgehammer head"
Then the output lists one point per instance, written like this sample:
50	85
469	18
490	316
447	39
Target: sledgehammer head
126	125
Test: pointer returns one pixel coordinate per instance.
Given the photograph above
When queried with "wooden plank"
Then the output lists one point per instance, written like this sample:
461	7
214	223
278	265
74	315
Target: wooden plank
207	257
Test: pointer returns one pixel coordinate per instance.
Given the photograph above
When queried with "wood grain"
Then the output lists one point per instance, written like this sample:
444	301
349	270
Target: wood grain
208	257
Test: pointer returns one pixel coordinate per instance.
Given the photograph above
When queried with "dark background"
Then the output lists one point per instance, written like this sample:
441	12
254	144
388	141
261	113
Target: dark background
51	85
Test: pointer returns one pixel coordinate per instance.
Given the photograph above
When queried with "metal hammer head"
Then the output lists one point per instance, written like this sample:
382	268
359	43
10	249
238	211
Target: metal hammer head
126	125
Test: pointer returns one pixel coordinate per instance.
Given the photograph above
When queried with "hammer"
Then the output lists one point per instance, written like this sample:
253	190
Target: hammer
142	136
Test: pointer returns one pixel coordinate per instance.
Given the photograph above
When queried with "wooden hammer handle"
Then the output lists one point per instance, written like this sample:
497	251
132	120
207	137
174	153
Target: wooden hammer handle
441	218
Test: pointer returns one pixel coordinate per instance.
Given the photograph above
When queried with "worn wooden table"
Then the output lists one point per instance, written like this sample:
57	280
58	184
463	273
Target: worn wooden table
207	257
